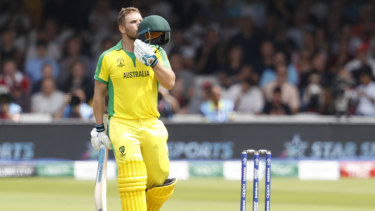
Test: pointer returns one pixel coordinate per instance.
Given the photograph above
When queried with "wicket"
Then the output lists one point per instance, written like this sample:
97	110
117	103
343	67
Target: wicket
256	153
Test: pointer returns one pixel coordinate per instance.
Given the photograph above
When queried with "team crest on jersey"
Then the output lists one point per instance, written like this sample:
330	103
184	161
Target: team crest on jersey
120	62
122	150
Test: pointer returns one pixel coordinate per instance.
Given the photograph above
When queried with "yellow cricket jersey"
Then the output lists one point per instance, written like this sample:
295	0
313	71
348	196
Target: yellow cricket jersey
132	86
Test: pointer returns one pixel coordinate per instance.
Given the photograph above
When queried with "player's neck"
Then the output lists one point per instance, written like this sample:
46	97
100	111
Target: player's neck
127	44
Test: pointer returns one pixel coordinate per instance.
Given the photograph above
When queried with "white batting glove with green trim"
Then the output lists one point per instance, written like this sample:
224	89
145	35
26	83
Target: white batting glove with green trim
144	53
99	138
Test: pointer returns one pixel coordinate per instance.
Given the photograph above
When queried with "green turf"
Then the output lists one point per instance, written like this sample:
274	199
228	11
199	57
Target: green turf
55	194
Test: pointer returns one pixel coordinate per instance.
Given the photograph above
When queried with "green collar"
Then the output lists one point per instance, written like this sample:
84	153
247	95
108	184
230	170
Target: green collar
118	46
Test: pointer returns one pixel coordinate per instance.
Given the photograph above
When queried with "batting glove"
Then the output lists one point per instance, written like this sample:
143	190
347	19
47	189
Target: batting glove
144	53
98	137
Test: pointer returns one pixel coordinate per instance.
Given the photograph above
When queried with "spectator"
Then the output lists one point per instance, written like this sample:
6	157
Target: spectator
364	28
180	44
257	10
207	56
56	9
231	72
34	66
317	67
52	39
201	86
101	19
183	89
271	27
217	12
282	9
48	100
338	60
215	108
289	92
16	20
47	72
14	17
275	106
22	98
247	73
303	64
184	10
365	93
359	61
18	84
371	51
296	32
13	78
267	51
321	41
106	44
282	42
167	104
309	42
313	96
77	79
247	97
162	8
75	106
319	10
342	92
335	28
8	109
72	53
249	39
346	35
269	74
7	47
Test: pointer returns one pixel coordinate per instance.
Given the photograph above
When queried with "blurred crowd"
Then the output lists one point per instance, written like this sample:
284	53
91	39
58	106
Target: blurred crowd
271	57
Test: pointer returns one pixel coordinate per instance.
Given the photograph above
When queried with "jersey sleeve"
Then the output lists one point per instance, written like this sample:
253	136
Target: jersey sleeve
102	72
162	56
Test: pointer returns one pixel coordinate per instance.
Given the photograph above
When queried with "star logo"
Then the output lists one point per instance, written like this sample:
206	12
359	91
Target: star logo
296	147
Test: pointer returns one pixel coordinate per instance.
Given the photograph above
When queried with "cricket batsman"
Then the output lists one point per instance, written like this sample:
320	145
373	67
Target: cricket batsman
131	72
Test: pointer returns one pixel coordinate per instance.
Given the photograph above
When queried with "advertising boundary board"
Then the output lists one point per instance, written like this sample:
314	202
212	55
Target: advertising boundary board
199	141
183	170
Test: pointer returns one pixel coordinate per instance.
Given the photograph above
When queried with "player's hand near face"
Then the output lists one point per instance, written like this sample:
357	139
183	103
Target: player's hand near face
144	53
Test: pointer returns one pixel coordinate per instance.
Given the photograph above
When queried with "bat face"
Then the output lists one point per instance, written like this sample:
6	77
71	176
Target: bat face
101	181
102	159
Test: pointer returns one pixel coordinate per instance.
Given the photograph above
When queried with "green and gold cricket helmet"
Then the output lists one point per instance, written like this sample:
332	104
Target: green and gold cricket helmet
154	30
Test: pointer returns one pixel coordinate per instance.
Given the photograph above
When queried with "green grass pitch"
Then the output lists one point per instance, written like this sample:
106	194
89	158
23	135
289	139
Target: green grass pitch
60	194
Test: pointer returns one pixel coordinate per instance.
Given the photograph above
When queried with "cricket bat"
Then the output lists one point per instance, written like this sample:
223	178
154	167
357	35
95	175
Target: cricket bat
101	181
101	176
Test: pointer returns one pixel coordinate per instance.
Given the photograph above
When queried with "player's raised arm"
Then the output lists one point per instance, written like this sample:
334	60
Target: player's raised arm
165	76
154	32
146	55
